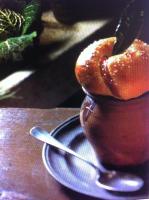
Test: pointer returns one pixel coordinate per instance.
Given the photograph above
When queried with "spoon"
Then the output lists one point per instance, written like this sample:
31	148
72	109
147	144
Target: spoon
109	180
130	25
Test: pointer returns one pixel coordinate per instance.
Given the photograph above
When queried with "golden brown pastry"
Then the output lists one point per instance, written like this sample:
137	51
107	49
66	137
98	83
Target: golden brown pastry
123	76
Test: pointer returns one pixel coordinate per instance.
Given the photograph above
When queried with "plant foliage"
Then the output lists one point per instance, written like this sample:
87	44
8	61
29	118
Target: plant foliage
12	46
10	23
30	13
14	30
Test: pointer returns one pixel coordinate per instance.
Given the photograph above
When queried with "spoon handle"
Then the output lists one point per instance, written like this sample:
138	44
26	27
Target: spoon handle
44	136
129	26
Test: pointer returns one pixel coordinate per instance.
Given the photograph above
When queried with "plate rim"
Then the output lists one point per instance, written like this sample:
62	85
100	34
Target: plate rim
49	168
59	179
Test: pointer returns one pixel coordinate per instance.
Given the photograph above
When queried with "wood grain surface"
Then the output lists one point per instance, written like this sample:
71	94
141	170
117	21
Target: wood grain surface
22	173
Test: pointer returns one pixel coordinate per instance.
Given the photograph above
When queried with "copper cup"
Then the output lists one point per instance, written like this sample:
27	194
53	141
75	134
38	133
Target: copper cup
118	130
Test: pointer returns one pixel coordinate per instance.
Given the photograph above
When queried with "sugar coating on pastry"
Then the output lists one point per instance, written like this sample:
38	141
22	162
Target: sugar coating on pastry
123	76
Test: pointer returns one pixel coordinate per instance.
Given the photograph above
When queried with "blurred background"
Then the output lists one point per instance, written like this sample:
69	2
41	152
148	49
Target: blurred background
43	77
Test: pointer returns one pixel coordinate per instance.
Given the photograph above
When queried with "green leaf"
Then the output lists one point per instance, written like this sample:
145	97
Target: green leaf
10	23
30	13
13	47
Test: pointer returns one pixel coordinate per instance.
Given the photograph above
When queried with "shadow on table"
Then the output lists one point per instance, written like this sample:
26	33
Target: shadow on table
53	82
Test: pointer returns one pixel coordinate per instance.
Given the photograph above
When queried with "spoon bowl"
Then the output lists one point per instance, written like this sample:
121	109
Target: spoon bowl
109	180
119	182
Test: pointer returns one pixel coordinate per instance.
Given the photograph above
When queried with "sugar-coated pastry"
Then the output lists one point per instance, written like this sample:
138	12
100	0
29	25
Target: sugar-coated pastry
124	76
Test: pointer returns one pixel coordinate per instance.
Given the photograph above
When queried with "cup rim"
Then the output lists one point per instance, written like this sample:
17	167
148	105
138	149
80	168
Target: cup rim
114	100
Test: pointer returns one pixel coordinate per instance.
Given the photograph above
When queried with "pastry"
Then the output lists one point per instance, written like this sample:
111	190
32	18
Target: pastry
123	76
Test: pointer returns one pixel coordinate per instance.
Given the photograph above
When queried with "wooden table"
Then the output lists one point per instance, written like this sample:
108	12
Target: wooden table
22	173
